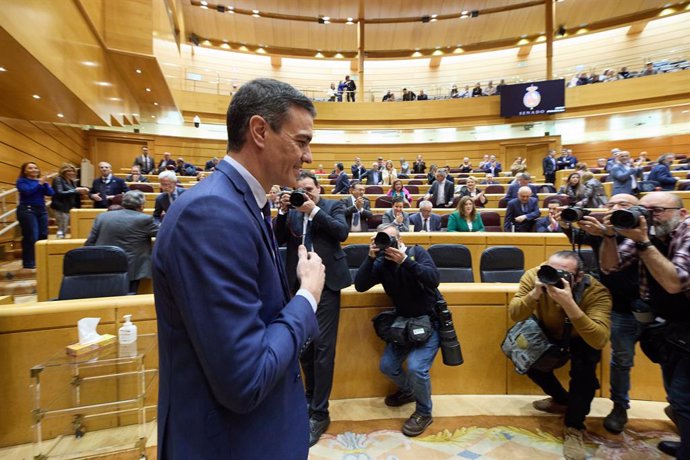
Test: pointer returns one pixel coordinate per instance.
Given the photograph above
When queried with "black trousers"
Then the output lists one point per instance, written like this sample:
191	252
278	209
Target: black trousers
583	383
550	178
318	359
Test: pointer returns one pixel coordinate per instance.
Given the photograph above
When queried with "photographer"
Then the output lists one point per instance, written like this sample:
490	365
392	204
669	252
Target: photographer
583	304
664	271
410	279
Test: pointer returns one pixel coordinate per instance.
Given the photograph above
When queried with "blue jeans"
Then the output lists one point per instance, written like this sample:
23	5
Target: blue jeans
676	372
625	332
416	380
33	220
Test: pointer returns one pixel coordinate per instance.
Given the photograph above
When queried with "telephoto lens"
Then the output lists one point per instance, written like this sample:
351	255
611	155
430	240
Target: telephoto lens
450	347
574	214
297	198
629	218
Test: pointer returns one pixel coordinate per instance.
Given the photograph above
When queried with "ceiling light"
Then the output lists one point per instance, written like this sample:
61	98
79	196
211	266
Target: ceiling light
350	21
318	55
261	51
116	99
256	14
138	71
204	2
225	46
36	96
153	116
104	83
60	115
204	7
90	63
2	69
155	103
416	54
148	90
434	18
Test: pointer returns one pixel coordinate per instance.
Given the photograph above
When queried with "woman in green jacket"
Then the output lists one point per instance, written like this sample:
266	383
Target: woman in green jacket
466	218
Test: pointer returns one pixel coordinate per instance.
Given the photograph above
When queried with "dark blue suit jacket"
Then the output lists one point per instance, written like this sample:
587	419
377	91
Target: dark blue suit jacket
229	337
661	173
116	186
358	172
163	203
514	209
342	183
373	177
434	222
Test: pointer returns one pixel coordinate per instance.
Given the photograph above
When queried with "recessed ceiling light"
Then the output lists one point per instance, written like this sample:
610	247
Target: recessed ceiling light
116	99
104	83
153	116
138	71
36	96
89	63
155	103
148	90
2	69
256	14
204	2
204	7
60	115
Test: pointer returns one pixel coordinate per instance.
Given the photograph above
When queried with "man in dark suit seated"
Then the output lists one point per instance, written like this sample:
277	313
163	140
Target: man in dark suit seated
521	212
185	169
131	230
320	225
165	162
357	208
521	180
106	187
441	191
358	170
550	223
374	176
488	179
169	193
425	220
493	166
419	165
342	182
211	164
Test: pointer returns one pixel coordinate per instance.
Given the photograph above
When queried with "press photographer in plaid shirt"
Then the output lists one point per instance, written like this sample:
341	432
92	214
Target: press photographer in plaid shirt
664	265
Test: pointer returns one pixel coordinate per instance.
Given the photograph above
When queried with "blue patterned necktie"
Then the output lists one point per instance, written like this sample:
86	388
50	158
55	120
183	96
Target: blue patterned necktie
266	211
308	243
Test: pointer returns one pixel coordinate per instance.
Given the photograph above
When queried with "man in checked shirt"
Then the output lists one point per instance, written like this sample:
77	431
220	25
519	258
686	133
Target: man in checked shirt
664	264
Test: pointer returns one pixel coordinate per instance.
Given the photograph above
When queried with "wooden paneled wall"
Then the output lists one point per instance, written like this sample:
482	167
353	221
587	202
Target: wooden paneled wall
654	146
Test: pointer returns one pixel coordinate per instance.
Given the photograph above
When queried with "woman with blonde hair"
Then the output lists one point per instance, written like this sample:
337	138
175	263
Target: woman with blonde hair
389	174
67	196
471	190
465	218
595	195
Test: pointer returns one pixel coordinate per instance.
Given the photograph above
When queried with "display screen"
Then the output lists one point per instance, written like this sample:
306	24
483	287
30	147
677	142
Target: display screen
536	98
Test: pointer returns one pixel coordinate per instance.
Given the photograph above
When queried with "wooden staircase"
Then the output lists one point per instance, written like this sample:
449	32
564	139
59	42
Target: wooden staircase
17	281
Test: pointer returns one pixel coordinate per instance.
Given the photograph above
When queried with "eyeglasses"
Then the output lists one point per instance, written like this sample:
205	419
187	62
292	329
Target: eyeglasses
656	210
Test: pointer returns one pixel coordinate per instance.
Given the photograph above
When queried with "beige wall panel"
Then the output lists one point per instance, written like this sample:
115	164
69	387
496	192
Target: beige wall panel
654	146
120	153
129	25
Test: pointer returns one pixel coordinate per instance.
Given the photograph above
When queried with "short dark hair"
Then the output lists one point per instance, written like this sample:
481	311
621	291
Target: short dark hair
571	255
270	99
340	166
308	175
398	199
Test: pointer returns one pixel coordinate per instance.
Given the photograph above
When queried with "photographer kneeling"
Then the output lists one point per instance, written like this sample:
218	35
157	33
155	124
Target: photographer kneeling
410	279
580	305
664	261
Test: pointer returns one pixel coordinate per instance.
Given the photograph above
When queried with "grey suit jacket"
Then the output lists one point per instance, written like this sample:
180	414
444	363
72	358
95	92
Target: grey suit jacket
131	231
389	218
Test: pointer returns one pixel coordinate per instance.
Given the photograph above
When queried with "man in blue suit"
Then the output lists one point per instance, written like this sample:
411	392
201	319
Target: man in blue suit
358	169
624	174
661	173
169	193
374	176
229	335
521	212
342	182
425	220
107	187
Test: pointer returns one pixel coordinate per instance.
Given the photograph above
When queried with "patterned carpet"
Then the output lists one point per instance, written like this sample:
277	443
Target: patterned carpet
487	437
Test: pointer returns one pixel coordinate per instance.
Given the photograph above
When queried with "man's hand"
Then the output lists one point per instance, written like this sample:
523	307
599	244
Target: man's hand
560	296
592	226
373	249
43	180
537	291
311	272
395	255
520	218
96	197
637	234
399	218
82	190
359	203
307	207
284	202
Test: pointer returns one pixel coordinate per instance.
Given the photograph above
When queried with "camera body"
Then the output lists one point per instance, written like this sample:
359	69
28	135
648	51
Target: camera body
553	276
298	197
383	241
630	218
450	346
574	214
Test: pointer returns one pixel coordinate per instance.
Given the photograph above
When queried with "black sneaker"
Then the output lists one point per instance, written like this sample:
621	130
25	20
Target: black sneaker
399	398
317	428
616	420
416	424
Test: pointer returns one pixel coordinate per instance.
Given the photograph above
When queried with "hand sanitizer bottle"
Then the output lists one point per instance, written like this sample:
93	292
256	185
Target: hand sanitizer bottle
128	332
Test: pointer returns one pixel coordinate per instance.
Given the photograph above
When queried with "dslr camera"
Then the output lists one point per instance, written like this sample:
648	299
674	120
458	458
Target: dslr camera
450	346
630	218
553	276
298	197
383	241
574	214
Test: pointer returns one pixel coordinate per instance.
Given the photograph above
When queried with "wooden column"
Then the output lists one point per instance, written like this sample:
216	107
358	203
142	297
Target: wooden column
550	13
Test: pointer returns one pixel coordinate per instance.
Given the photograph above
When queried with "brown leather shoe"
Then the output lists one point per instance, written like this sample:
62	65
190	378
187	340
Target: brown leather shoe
550	406
416	424
399	398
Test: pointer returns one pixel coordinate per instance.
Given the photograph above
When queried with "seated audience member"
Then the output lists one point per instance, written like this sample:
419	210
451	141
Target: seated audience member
358	169
500	86
419	166
470	189
169	193
408	95
388	97
454	93
422	96
550	223
357	208
465	218
410	278
586	306
594	195
521	212
274	197
425	220
211	164
144	161
521	180
465	93
106	187
165	162
431	175
648	69
518	166
493	166
466	165
488	179
342	182
623	73
374	176
661	173
477	90
135	175
131	230
185	169
573	188
397	216
581	167
490	89
483	163
441	191
397	190
332	93
404	169
601	164
320	170
389	174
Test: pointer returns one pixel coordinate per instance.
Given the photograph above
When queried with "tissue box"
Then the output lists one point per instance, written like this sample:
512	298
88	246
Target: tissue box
77	349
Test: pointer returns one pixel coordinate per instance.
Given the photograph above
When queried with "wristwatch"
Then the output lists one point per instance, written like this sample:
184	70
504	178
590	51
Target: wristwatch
643	245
